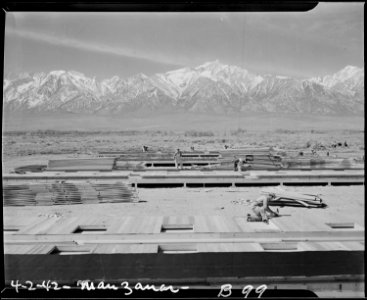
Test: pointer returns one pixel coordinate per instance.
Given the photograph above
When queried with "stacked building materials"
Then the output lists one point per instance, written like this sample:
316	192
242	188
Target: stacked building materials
115	192
18	195
65	193
256	158
89	164
286	198
30	168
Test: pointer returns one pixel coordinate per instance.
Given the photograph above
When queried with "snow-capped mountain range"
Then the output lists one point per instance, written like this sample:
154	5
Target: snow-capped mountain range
209	88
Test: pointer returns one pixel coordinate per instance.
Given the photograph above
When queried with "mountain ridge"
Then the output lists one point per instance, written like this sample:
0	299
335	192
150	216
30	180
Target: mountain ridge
212	87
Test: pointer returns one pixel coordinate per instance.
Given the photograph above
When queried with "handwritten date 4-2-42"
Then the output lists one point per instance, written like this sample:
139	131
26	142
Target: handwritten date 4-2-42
30	286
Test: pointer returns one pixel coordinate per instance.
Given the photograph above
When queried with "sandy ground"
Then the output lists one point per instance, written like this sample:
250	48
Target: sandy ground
26	148
344	202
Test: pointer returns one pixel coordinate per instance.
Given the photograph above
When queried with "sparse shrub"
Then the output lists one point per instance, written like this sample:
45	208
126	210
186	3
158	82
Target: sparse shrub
238	132
196	133
286	131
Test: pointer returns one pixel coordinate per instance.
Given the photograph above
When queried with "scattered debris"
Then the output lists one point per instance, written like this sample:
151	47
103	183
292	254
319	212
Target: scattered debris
286	198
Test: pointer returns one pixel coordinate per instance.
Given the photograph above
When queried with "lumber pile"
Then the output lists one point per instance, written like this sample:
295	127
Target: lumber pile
129	165
30	168
139	155
18	195
322	163
114	193
286	198
260	158
67	193
89	164
257	158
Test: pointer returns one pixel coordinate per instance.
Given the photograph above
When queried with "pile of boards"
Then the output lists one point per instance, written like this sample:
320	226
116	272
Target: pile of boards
66	193
286	198
82	164
261	158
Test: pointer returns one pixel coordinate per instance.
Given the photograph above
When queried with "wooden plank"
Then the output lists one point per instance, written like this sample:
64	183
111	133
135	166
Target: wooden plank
129	248
121	225
144	224
42	226
229	247
17	249
310	246
81	164
279	246
341	225
64	226
223	224
178	220
334	246
20	223
201	224
40	249
355	246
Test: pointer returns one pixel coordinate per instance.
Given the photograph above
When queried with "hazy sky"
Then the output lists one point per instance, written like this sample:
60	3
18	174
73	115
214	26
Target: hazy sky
302	44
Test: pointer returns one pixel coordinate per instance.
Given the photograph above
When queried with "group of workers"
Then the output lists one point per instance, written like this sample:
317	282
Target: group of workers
239	163
260	207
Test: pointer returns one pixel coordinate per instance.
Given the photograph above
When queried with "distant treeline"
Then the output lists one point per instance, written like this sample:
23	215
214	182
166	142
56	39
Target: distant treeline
187	133
50	132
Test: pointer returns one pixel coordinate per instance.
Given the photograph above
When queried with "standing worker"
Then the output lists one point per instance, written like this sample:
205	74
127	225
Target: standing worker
178	159
261	209
240	164
236	162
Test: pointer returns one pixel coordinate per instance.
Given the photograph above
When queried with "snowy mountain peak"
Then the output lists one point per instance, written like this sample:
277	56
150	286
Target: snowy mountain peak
210	87
57	72
210	65
350	77
348	72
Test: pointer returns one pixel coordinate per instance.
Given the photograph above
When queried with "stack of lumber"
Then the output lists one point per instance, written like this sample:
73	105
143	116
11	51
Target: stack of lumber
90	164
66	193
257	158
18	195
132	155
321	163
286	198
116	192
129	165
30	168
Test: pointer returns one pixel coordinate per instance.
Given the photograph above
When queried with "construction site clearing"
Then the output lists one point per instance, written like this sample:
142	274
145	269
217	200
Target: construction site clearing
191	228
265	158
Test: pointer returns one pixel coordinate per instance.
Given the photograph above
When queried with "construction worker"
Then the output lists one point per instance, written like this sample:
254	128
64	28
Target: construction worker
239	165
236	162
178	159
261	209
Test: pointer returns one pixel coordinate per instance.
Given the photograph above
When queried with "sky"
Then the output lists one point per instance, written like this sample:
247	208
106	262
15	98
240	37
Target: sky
299	44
